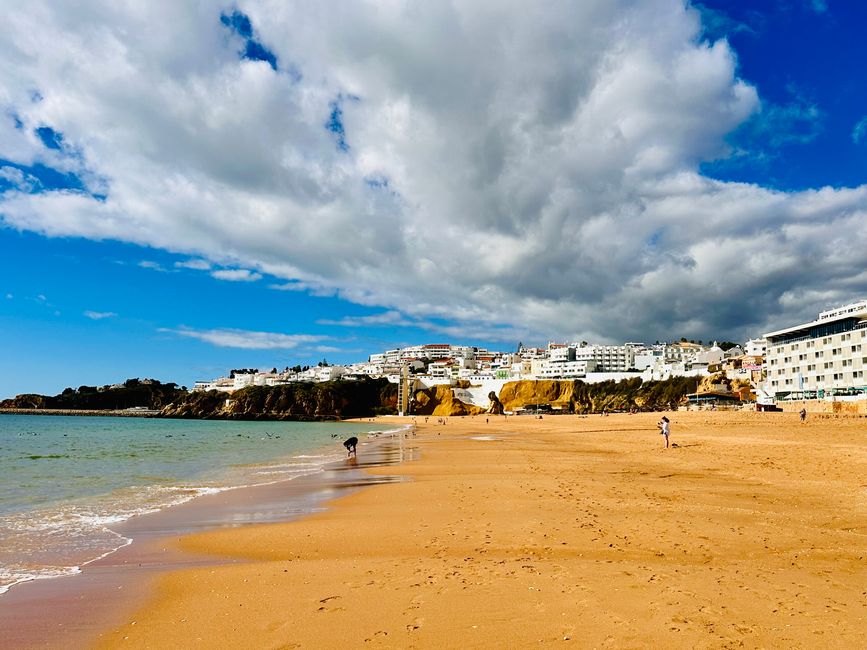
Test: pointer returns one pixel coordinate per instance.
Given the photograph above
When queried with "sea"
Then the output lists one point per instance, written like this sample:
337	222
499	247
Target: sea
66	481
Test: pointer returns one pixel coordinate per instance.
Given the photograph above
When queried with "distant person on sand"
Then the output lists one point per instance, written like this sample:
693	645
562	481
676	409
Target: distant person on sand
350	445
664	429
803	414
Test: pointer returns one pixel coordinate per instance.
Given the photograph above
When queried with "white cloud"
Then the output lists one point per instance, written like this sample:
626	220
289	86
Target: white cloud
99	315
477	331
236	275
390	318
511	168
196	265
18	179
236	338
859	132
153	266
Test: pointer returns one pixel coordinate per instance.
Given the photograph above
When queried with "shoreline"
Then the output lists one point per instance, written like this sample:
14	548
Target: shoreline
750	531
69	611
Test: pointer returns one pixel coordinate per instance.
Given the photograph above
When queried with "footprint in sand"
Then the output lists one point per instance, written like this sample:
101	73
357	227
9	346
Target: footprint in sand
415	625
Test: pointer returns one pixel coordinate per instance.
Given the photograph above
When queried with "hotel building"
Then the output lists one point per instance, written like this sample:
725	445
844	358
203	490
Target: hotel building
825	357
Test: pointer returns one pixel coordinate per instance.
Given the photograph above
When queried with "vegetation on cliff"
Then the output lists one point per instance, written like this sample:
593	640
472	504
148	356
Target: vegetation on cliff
579	397
296	401
147	393
634	393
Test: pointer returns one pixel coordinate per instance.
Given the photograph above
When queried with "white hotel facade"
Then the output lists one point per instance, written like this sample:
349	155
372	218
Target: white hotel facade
823	358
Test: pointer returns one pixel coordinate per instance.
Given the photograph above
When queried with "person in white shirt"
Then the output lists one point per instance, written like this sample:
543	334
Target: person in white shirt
664	429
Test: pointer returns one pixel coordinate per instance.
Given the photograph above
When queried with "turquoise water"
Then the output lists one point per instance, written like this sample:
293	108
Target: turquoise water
66	480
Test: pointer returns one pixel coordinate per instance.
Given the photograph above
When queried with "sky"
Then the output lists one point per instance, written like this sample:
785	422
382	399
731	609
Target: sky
187	188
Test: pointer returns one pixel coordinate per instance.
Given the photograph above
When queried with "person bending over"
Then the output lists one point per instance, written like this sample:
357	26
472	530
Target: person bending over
350	445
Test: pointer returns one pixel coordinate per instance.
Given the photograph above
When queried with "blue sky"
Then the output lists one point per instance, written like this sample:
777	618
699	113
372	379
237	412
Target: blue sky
802	58
226	187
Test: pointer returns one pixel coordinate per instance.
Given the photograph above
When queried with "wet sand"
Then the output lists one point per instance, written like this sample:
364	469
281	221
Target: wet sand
72	612
752	532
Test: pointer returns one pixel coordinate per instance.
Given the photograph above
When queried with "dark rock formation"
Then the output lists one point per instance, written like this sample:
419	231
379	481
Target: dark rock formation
496	407
146	393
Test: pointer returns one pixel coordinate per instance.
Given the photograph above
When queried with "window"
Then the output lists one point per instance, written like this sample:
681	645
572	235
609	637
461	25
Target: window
820	377
856	348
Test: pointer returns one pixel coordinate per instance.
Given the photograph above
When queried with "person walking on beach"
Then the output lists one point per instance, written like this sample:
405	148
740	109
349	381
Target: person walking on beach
350	445
803	414
664	429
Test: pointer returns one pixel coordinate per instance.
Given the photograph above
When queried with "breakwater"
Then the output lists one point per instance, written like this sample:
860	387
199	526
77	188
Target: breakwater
123	413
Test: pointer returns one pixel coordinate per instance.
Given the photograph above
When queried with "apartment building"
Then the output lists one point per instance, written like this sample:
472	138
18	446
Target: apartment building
608	358
825	357
565	369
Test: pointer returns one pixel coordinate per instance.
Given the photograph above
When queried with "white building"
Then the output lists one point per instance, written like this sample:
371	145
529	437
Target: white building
608	358
825	357
709	357
756	347
565	369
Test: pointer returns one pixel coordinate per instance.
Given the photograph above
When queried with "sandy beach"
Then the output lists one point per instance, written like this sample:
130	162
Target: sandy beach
580	531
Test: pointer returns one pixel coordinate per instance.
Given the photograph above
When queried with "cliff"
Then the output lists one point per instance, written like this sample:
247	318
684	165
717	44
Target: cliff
558	393
296	401
578	397
363	398
146	393
440	401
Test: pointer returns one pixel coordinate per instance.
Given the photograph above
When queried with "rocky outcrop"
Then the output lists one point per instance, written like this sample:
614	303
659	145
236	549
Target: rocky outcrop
557	393
25	401
496	406
440	401
715	383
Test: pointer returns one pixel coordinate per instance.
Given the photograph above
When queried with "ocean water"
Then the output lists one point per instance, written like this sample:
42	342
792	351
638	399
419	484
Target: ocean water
65	480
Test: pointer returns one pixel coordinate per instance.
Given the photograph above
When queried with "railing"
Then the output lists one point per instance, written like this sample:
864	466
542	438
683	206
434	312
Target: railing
859	326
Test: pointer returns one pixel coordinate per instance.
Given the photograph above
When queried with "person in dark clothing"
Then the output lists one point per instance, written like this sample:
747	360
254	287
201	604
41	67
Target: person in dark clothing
350	445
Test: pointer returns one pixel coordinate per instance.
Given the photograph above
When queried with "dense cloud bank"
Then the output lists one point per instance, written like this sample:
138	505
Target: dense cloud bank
530	166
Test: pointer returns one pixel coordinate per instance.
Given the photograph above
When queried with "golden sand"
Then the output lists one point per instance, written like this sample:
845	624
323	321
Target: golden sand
578	531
